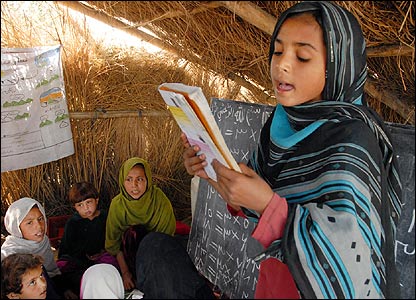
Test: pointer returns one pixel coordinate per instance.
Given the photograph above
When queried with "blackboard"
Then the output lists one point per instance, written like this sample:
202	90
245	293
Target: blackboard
221	245
404	140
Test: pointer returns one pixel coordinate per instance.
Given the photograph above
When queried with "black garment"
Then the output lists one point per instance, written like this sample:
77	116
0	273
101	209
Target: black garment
51	288
165	270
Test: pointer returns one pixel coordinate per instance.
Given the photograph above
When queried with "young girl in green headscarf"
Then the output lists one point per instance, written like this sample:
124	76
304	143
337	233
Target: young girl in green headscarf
140	207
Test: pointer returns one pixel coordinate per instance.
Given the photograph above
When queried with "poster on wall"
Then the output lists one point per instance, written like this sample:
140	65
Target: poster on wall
35	124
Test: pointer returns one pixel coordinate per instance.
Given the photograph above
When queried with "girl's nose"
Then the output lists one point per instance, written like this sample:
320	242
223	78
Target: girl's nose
42	281
40	224
283	63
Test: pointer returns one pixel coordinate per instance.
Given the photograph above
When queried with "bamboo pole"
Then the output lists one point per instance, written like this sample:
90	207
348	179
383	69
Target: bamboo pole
387	51
103	114
252	14
389	98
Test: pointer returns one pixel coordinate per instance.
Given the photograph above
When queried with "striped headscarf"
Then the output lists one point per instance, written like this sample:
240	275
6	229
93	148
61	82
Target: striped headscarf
334	163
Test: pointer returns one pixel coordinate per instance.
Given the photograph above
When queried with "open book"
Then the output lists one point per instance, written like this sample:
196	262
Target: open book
191	111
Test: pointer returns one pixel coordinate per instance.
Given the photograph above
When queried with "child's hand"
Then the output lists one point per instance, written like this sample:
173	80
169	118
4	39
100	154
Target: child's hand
128	281
245	189
194	164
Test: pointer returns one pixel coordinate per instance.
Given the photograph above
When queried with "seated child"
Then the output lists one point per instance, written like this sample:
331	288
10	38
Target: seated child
139	208
82	244
22	277
102	281
25	220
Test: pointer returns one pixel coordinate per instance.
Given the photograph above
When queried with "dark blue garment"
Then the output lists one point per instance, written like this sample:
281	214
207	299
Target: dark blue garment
51	289
165	270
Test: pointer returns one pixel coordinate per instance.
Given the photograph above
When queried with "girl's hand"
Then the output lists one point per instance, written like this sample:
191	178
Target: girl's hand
128	281
194	164
245	189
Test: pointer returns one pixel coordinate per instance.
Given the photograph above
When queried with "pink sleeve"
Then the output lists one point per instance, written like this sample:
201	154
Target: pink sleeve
272	222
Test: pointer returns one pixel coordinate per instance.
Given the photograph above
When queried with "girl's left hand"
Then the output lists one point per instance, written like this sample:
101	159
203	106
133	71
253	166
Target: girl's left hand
245	189
128	281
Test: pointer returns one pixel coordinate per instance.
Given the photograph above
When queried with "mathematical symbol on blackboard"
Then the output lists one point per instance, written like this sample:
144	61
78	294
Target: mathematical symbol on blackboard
236	220
230	256
253	134
245	155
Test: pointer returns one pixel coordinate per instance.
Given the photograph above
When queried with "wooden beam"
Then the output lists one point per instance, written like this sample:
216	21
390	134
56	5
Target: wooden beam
109	20
391	100
265	98
205	5
392	50
103	114
252	14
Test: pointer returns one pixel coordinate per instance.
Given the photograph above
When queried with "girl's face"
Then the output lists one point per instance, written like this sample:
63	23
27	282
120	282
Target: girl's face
136	182
33	285
298	64
87	208
33	225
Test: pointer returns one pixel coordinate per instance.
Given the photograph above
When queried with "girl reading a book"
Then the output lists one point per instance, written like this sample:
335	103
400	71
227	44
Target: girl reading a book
322	185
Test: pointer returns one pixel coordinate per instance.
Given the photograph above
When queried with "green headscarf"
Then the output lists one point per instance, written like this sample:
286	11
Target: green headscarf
153	209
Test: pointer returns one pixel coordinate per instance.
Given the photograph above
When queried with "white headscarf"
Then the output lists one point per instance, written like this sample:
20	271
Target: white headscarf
15	243
102	281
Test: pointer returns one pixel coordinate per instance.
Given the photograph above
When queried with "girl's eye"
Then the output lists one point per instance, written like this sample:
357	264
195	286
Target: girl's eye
302	59
32	283
278	53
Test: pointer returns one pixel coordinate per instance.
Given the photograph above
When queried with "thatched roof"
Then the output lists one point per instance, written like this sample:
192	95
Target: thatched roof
221	46
231	39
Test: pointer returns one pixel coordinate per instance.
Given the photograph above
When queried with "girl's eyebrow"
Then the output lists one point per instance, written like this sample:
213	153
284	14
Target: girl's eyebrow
34	278
301	44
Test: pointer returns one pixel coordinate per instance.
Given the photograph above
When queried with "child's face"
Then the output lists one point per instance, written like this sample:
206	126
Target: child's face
33	225
33	285
136	182
299	61
87	208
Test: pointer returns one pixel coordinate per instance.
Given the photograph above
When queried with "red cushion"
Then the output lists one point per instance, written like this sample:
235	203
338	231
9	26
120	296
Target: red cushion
182	228
61	232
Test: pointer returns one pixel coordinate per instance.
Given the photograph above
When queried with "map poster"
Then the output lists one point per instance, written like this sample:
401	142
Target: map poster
35	124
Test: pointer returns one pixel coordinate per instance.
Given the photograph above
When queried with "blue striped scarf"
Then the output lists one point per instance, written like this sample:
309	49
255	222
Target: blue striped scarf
334	163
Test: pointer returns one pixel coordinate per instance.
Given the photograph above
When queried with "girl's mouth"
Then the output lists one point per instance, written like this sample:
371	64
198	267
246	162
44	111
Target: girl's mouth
284	87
